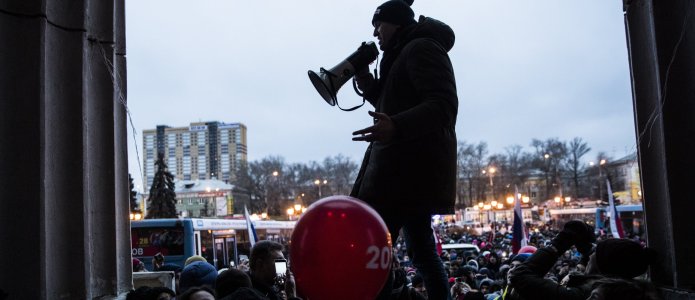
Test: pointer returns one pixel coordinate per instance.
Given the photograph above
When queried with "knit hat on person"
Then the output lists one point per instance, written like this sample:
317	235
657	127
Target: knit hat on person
137	265
485	281
521	257
194	258
397	12
473	264
622	258
198	273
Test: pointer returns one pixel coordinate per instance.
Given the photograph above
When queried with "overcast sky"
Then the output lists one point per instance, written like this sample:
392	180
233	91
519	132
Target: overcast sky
524	70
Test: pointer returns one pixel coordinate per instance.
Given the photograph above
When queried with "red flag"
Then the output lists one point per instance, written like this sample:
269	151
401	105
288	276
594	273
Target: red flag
437	241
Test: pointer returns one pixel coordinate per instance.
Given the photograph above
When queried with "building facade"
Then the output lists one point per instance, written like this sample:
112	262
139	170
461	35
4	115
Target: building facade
202	150
625	179
204	198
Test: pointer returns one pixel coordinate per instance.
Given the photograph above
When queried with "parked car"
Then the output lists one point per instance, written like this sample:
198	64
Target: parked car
462	249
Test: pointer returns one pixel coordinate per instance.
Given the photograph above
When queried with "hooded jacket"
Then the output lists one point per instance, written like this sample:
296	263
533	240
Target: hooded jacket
416	170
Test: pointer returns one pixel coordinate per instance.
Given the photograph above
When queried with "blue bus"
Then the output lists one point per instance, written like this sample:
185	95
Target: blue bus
631	217
221	241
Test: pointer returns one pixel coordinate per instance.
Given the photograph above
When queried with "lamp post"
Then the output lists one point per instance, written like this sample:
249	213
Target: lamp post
490	173
600	175
546	157
319	183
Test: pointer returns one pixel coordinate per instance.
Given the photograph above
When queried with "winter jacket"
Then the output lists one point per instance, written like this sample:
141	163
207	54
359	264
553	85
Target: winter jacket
416	170
528	282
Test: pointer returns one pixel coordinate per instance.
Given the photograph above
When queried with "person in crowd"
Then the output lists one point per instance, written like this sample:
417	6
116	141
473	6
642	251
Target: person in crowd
197	293
516	260
416	105
231	280
197	274
622	289
419	285
262	271
459	289
612	258
401	289
243	264
138	266
177	272
468	275
157	261
485	286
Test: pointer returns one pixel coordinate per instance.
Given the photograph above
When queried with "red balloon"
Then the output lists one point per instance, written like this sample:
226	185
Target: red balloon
340	249
528	249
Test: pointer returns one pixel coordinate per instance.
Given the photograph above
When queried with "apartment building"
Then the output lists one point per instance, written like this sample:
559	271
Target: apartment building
202	150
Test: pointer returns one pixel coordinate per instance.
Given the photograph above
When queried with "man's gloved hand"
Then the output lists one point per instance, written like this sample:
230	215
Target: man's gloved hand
575	233
364	79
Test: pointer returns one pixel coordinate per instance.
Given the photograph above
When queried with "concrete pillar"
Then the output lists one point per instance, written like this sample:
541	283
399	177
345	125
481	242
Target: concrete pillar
661	43
64	231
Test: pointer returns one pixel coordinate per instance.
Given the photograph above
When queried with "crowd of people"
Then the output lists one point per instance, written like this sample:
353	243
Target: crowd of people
197	279
415	102
572	263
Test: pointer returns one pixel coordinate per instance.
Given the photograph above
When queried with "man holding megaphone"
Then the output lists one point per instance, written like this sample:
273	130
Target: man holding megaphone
409	169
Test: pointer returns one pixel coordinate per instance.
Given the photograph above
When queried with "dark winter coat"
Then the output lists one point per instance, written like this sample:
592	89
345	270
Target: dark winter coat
416	171
528	282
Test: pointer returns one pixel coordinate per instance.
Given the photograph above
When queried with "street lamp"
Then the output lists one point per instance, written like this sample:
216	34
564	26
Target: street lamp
490	173
290	213
319	182
135	216
600	175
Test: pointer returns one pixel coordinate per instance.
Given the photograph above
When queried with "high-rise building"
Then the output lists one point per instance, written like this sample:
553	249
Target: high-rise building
203	150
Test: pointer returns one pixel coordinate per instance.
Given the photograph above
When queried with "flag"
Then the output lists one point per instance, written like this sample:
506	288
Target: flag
518	231
437	241
616	224
253	237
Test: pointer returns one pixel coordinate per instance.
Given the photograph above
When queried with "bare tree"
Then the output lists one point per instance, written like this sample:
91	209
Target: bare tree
471	162
518	165
548	158
576	149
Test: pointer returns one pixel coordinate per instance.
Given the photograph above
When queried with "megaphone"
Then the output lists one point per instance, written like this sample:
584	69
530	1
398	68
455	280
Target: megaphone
328	82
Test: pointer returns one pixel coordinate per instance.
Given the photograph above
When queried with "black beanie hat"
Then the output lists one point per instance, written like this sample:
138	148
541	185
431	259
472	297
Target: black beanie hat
622	257
397	12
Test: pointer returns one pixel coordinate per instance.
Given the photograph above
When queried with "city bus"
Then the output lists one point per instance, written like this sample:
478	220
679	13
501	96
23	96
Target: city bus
221	241
561	216
631	216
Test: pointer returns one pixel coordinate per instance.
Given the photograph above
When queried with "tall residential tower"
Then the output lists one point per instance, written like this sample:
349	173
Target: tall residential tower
203	150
